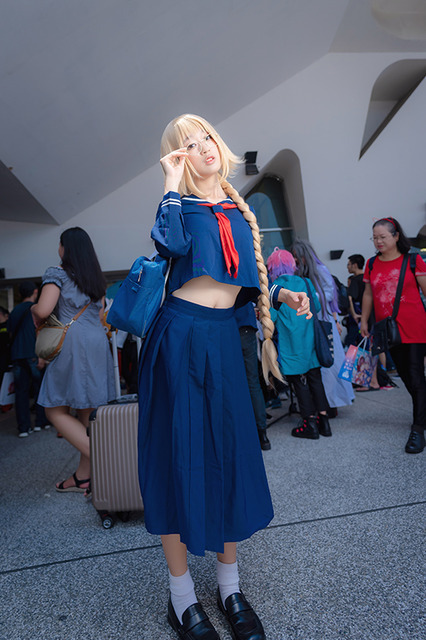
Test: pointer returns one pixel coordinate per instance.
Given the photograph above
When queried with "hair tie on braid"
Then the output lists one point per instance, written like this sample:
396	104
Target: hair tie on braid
269	352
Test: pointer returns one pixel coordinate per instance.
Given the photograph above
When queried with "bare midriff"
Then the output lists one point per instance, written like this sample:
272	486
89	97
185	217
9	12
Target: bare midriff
208	293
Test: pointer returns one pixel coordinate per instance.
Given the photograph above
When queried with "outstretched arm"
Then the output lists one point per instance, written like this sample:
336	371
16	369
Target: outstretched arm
298	300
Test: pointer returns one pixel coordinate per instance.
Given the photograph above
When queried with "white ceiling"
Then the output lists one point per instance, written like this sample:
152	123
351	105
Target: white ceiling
87	86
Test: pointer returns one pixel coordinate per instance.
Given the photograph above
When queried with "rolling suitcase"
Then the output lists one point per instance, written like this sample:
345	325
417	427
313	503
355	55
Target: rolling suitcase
113	435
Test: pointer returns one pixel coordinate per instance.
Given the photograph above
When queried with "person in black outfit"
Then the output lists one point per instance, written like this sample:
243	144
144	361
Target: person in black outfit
246	321
356	286
27	368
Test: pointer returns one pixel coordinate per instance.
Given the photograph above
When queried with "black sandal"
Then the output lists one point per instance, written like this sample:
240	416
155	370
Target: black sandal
88	491
76	488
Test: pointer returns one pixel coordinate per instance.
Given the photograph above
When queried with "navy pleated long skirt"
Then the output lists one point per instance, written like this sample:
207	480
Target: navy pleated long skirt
200	464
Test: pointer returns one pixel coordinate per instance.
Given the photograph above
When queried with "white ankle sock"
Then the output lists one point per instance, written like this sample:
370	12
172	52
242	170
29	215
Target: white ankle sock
182	593
227	579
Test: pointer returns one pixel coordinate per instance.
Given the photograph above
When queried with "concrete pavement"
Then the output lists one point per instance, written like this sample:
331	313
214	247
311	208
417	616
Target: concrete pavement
342	559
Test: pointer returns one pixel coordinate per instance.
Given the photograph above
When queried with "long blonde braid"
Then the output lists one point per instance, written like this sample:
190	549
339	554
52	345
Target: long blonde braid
269	353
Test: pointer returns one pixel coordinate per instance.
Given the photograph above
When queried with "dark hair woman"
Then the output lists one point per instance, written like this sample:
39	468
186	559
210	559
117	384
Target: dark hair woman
81	264
81	376
381	282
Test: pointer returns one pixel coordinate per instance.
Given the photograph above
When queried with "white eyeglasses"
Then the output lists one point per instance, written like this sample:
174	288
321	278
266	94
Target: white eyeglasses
197	147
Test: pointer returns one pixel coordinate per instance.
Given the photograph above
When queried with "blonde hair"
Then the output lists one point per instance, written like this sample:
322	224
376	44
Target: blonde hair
173	138
269	352
177	131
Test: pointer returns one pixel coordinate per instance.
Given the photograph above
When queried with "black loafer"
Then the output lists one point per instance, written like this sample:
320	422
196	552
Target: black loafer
415	442
244	622
195	623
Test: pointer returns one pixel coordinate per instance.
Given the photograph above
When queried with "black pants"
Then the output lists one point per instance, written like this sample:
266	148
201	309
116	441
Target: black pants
310	392
409	362
249	347
129	365
27	377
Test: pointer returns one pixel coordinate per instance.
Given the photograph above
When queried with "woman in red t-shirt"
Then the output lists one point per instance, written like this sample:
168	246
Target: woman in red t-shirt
380	291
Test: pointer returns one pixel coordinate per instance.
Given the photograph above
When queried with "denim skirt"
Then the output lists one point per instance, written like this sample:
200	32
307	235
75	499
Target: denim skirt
201	469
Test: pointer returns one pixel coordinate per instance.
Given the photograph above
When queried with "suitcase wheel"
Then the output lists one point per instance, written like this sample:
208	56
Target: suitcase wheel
107	520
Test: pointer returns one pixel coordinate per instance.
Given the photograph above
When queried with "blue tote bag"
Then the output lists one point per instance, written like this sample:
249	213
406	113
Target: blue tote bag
140	296
323	335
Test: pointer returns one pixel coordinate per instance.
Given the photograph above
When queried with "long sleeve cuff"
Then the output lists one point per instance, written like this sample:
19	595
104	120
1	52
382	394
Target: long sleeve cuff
273	296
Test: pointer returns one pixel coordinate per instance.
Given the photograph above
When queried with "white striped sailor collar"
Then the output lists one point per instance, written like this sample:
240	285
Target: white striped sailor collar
197	200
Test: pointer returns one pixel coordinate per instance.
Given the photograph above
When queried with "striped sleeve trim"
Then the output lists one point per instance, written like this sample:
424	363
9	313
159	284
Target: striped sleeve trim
171	201
273	296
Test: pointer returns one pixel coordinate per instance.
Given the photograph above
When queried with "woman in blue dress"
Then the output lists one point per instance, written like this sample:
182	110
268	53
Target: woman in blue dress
201	471
81	376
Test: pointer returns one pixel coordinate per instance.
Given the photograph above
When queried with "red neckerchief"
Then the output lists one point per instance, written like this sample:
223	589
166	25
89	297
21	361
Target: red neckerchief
230	253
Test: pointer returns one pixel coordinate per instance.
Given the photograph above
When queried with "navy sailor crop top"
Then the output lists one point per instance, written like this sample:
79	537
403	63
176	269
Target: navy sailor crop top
187	230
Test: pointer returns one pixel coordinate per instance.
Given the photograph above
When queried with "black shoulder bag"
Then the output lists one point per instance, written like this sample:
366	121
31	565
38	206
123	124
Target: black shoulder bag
323	333
386	333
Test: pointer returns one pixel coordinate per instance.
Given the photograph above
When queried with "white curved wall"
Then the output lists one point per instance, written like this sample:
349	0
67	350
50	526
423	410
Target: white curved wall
319	114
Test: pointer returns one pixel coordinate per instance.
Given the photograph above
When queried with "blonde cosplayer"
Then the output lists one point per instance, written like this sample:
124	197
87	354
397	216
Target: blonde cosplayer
174	136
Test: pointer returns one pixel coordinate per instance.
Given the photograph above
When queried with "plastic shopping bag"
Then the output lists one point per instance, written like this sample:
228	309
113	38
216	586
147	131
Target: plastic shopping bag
358	365
7	390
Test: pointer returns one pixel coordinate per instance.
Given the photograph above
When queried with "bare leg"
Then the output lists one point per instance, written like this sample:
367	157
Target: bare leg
176	554
374	381
229	555
182	594
74	431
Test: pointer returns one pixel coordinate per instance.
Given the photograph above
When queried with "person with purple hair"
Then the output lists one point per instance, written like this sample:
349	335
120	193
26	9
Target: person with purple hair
339	393
298	360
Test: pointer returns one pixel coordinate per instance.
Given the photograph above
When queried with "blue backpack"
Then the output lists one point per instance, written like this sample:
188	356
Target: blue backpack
140	296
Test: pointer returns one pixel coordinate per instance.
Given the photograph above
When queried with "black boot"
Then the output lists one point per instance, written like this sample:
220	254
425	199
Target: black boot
264	440
308	429
324	425
415	442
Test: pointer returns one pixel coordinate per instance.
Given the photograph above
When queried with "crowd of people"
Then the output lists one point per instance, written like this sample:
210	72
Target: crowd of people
201	470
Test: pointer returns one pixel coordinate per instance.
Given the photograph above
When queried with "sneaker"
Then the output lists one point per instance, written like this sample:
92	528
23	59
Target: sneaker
24	434
46	427
36	428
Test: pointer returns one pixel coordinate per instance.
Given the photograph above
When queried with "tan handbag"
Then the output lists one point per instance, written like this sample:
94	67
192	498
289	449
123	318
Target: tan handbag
51	335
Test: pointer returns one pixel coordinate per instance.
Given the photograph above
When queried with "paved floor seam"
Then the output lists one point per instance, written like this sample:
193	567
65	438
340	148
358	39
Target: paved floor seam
346	515
283	525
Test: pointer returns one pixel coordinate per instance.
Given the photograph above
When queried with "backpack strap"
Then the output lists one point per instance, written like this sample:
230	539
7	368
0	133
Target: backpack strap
413	258
311	298
399	287
371	262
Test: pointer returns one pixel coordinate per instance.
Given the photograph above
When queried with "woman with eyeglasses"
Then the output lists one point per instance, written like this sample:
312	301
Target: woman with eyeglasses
201	470
381	280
